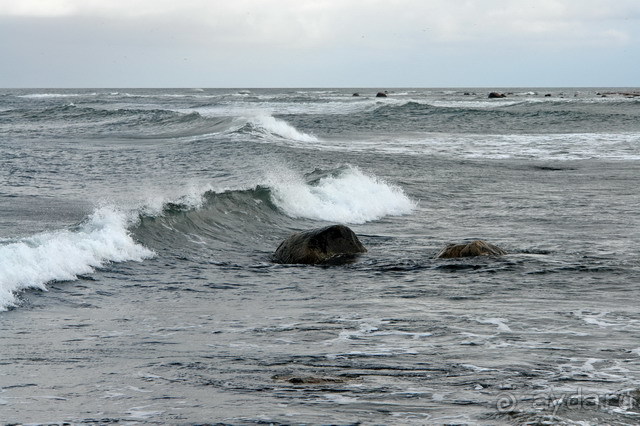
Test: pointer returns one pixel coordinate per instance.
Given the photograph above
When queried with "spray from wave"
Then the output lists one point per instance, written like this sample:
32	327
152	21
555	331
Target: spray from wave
350	196
65	254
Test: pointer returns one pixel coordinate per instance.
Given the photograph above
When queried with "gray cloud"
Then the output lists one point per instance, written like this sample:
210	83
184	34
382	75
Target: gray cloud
323	42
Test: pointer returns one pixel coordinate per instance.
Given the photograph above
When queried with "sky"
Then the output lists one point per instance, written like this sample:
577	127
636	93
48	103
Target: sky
319	43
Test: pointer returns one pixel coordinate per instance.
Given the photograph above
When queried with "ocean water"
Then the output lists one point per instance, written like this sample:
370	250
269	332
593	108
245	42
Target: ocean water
137	225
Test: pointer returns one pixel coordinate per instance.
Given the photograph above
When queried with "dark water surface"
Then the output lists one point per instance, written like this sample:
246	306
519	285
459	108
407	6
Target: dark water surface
136	228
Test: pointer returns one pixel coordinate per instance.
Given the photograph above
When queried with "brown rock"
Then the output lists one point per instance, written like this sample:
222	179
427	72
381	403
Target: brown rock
474	248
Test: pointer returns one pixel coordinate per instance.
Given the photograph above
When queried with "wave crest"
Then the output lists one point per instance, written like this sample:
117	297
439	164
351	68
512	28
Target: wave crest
271	126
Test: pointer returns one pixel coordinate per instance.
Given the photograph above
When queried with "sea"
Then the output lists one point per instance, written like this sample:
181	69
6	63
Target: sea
137	284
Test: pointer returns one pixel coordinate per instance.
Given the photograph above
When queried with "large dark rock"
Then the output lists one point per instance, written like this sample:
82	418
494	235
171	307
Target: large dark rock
474	248
493	95
381	94
334	244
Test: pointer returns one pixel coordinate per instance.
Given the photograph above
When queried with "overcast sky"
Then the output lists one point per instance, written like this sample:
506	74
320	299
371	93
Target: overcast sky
319	43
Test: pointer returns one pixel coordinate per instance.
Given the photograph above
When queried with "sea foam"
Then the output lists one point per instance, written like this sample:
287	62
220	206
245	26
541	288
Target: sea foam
63	255
350	197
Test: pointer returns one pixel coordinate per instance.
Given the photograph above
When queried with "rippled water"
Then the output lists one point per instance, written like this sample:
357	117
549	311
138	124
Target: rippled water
137	229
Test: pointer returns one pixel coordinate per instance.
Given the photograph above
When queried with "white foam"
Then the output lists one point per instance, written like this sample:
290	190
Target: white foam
280	128
63	255
498	322
153	199
597	319
341	399
142	413
476	368
55	95
474	104
351	197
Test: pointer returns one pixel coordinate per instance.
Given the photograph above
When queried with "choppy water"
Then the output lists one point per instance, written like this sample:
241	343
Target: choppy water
136	228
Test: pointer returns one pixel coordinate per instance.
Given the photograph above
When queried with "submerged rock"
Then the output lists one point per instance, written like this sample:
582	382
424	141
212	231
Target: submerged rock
474	248
335	244
381	94
496	95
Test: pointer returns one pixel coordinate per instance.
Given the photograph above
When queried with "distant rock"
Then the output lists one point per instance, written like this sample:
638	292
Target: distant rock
381	94
625	94
547	95
494	95
356	94
474	248
333	245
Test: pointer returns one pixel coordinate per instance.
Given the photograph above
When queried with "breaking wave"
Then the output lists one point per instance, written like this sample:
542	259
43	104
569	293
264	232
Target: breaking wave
63	255
348	197
271	126
225	219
